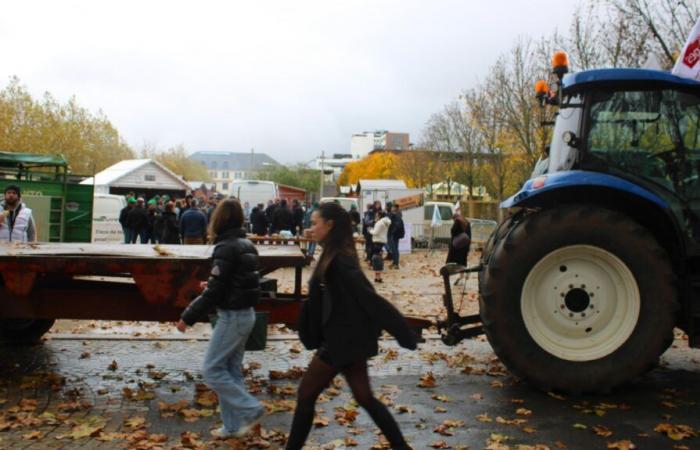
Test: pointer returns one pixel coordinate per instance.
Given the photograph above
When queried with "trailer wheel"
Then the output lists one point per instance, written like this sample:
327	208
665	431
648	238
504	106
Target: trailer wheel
24	330
578	299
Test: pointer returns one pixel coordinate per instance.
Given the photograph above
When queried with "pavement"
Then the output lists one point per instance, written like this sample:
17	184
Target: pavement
112	385
83	393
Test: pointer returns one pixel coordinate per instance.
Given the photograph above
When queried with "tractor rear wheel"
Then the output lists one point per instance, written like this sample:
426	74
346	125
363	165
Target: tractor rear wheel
578	299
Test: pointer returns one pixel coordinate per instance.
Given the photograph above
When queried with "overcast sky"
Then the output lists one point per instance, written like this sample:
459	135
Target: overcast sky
288	78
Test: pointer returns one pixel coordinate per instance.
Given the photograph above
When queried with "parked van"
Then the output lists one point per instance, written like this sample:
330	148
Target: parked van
345	202
254	191
421	219
105	218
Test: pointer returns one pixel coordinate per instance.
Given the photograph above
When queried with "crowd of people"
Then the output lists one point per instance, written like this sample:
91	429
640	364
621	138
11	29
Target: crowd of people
172	221
382	229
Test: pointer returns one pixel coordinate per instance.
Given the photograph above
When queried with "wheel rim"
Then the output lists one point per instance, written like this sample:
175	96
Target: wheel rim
580	303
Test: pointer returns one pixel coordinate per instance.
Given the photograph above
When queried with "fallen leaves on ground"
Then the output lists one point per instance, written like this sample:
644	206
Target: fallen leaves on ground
427	381
675	432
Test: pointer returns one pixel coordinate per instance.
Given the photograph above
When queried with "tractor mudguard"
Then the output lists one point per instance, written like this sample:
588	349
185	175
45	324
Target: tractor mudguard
571	178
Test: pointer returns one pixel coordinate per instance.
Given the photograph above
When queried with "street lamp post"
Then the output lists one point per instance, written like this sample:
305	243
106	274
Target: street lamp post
320	193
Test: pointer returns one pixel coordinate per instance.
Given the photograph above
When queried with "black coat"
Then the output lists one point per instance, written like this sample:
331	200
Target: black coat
348	315
298	217
259	221
282	220
137	218
459	256
170	229
234	282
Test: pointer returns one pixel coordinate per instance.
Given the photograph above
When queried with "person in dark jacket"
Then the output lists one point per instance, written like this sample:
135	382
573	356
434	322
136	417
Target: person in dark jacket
343	319
354	218
367	224
137	221
130	203
259	220
170	231
154	230
234	289
297	218
271	208
282	219
193	225
454	254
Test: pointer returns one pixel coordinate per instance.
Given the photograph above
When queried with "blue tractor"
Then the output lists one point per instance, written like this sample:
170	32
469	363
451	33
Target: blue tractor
599	259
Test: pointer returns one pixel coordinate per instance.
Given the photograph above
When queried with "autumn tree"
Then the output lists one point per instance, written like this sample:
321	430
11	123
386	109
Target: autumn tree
298	176
88	141
177	160
380	165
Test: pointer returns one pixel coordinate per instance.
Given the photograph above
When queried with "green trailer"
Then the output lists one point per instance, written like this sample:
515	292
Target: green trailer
61	206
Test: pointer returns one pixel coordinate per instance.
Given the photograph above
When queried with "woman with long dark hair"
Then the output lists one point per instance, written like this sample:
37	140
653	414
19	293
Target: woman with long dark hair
342	320
234	289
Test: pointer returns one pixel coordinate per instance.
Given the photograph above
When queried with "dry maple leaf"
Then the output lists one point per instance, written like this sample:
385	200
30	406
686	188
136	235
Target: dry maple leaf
440	398
32	435
439	444
675	432
622	445
113	366
427	381
483	418
600	430
523	412
135	422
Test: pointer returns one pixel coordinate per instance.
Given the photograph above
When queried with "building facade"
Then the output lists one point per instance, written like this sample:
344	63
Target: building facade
227	167
361	144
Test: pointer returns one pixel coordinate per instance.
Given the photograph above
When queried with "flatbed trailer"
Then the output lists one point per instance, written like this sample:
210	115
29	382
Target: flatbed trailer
42	282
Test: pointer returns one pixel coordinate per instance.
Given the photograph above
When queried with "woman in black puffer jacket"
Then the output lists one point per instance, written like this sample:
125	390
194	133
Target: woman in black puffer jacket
234	289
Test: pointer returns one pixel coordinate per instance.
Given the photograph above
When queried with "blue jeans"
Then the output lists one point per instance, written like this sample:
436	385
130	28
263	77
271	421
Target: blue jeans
312	248
222	367
127	235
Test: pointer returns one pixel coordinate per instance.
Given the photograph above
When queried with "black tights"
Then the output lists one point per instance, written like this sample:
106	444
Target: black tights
317	377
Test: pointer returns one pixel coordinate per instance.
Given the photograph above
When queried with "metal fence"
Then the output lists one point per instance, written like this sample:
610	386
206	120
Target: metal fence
424	236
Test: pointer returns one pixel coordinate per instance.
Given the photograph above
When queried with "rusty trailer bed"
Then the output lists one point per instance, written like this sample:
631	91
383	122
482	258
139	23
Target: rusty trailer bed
124	282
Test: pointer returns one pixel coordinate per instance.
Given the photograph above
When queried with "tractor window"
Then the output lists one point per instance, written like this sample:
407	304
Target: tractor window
653	134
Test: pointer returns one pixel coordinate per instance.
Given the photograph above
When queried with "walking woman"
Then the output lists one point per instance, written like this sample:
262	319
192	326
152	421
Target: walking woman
343	319
234	289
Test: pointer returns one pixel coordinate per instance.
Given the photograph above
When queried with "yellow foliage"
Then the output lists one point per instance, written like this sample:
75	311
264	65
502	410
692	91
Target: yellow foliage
371	167
88	141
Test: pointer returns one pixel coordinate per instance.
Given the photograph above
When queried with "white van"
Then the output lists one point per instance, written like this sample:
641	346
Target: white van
254	191
421	219
345	202
105	218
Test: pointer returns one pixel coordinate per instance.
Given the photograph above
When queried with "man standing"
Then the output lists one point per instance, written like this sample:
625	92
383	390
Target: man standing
282	219
193	225
259	220
137	221
130	203
16	221
397	232
297	218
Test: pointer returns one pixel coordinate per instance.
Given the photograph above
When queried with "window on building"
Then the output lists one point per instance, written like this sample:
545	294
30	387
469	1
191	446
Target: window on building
224	165
213	165
149	177
224	186
237	175
224	175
